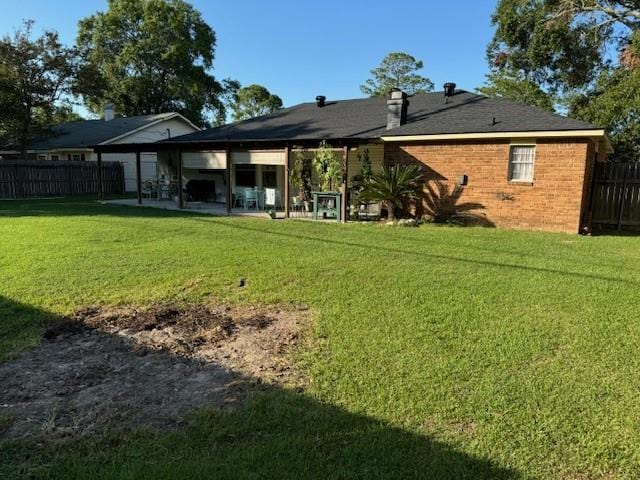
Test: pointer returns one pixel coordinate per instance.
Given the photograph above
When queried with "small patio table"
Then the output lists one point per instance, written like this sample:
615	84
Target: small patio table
321	204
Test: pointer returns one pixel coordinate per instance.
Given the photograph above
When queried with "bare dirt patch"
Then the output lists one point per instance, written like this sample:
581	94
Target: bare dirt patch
145	367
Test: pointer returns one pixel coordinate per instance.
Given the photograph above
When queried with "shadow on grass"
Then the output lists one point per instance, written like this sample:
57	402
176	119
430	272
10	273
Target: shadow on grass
277	433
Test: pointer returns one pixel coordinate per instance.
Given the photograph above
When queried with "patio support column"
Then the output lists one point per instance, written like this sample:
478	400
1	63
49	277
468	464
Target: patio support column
343	189
180	196
99	177
138	177
286	181
229	195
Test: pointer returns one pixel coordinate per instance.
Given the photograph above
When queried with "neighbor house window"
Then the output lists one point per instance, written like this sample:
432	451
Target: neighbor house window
521	163
76	157
42	157
55	157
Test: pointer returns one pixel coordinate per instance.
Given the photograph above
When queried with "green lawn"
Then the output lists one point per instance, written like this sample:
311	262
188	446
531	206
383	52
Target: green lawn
437	352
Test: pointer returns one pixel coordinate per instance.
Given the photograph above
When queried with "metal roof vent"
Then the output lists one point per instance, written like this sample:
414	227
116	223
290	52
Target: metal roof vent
449	91
321	100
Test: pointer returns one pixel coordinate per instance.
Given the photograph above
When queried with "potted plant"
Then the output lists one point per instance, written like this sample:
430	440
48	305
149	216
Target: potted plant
327	166
300	176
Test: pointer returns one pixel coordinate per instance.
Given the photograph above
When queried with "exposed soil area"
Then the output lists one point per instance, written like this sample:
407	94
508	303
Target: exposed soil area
145	367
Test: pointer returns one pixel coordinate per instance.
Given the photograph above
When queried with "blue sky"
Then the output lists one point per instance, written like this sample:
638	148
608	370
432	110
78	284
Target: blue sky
300	49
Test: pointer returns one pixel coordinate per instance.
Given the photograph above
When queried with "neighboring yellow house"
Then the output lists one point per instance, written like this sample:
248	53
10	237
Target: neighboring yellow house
74	141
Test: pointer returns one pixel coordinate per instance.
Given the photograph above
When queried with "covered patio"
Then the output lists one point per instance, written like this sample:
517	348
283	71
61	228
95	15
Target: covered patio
230	178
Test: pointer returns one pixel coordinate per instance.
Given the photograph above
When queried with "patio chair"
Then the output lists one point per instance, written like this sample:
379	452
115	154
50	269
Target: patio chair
297	205
260	193
238	200
369	211
251	198
149	189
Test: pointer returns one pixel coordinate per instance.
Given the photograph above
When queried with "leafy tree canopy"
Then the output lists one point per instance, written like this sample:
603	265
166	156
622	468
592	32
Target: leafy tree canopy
562	53
397	70
150	56
557	54
34	75
253	101
514	86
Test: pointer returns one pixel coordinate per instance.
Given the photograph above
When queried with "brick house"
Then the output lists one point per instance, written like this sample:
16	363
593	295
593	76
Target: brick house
524	167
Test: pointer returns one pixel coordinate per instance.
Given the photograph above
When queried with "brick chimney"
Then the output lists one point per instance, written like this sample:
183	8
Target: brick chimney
397	106
109	112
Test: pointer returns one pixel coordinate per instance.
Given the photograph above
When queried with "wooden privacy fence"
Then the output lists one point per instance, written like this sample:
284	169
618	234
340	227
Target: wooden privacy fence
46	178
616	195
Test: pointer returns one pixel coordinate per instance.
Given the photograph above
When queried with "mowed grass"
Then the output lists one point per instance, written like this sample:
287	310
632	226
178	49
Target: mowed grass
435	352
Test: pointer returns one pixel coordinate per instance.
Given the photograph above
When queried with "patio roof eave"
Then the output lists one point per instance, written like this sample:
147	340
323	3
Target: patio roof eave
224	144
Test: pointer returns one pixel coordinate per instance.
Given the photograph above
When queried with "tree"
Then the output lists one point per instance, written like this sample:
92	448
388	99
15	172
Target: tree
253	101
393	186
397	70
561	49
61	113
34	74
532	48
151	56
514	86
614	102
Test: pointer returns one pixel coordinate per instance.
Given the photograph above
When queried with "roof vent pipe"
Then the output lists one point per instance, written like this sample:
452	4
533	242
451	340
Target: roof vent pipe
397	106
449	91
320	100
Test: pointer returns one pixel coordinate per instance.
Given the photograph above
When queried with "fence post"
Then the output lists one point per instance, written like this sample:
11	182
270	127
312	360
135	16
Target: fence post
622	196
70	180
99	176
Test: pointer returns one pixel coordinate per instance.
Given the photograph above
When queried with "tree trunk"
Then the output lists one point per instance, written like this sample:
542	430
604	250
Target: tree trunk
24	146
391	212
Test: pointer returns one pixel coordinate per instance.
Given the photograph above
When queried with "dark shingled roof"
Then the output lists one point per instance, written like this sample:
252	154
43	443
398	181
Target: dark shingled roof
366	118
87	133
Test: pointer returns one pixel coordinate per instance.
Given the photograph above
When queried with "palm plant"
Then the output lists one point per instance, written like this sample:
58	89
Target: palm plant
393	186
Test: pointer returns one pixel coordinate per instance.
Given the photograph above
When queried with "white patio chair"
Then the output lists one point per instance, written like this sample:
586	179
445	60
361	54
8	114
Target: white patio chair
297	205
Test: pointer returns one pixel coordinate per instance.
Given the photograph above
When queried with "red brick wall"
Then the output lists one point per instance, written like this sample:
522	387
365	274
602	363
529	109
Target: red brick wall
554	201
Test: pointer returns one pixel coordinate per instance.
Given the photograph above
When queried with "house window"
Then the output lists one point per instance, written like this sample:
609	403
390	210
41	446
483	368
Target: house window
42	157
55	157
76	157
521	163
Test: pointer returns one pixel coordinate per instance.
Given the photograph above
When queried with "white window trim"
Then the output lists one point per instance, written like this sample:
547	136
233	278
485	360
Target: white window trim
513	145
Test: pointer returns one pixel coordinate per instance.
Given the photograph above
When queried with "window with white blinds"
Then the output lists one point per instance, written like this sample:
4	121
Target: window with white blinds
521	163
